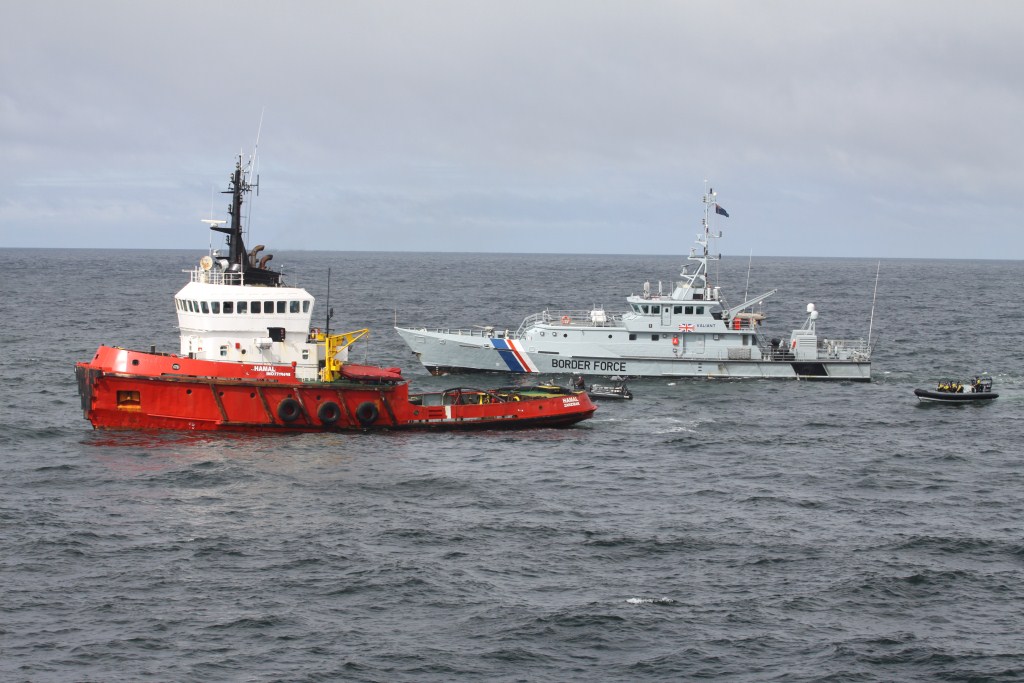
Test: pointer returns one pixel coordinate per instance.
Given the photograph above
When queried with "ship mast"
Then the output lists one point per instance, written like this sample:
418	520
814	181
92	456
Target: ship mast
239	260
703	240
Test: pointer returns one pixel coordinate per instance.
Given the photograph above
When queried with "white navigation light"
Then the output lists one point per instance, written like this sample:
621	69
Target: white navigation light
810	308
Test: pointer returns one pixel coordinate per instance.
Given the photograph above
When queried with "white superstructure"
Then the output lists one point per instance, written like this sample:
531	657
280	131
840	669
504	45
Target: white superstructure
229	322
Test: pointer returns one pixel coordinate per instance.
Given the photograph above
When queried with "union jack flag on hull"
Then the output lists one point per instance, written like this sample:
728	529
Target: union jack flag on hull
686	327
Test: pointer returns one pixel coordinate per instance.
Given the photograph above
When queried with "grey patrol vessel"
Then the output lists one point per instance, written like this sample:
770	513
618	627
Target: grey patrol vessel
691	332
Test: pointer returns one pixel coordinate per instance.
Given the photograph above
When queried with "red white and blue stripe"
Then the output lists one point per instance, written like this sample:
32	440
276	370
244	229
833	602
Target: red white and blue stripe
511	351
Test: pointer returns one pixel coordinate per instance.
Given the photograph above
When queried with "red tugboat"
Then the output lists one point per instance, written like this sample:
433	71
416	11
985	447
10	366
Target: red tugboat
249	361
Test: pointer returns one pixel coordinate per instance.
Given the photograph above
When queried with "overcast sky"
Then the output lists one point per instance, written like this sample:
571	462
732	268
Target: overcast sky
874	129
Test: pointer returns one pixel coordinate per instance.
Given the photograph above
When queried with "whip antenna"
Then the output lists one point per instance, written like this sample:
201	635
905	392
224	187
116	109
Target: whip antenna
330	311
750	262
871	321
253	173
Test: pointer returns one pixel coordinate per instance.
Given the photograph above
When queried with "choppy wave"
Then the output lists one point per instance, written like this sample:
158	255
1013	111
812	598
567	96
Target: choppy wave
740	531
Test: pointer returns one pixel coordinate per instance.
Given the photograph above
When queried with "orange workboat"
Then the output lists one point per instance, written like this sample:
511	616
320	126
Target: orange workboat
250	361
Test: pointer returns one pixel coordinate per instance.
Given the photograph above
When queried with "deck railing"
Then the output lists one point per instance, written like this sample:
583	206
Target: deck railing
844	349
216	277
572	318
565	318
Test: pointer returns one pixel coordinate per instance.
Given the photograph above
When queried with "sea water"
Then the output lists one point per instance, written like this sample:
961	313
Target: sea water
724	530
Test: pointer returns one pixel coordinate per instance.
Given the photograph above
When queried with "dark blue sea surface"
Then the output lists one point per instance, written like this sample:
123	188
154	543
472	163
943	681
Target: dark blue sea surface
721	530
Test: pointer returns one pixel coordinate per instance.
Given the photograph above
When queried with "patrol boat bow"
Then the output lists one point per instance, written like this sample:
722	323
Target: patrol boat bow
691	332
249	361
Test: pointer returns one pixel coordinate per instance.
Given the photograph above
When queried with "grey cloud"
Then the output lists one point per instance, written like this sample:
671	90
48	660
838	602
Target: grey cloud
463	120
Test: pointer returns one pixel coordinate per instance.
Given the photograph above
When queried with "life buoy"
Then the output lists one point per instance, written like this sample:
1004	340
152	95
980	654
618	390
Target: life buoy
566	320
289	410
675	341
329	412
367	413
736	323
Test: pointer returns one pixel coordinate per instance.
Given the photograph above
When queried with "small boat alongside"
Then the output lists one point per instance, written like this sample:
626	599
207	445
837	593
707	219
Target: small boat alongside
614	392
978	389
249	361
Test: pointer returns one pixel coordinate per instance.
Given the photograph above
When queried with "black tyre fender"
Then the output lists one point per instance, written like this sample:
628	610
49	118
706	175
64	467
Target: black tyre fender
367	413
289	410
329	412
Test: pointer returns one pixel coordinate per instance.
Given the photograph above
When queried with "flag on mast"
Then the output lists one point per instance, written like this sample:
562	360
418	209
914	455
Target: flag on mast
720	211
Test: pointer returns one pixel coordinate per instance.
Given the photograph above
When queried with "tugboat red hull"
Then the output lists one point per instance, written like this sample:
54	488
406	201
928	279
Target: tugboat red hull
123	389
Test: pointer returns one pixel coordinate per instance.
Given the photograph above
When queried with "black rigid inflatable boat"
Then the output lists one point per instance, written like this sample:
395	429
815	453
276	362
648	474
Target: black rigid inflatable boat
952	391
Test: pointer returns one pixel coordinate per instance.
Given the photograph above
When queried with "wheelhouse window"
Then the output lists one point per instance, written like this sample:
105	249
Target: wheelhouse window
281	306
205	305
700	310
689	310
189	303
229	306
215	307
243	307
257	307
293	306
268	306
677	309
305	307
645	308
655	309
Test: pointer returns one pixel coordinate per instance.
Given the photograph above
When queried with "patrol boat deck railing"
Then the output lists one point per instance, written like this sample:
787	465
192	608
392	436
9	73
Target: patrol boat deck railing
844	349
828	349
572	318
